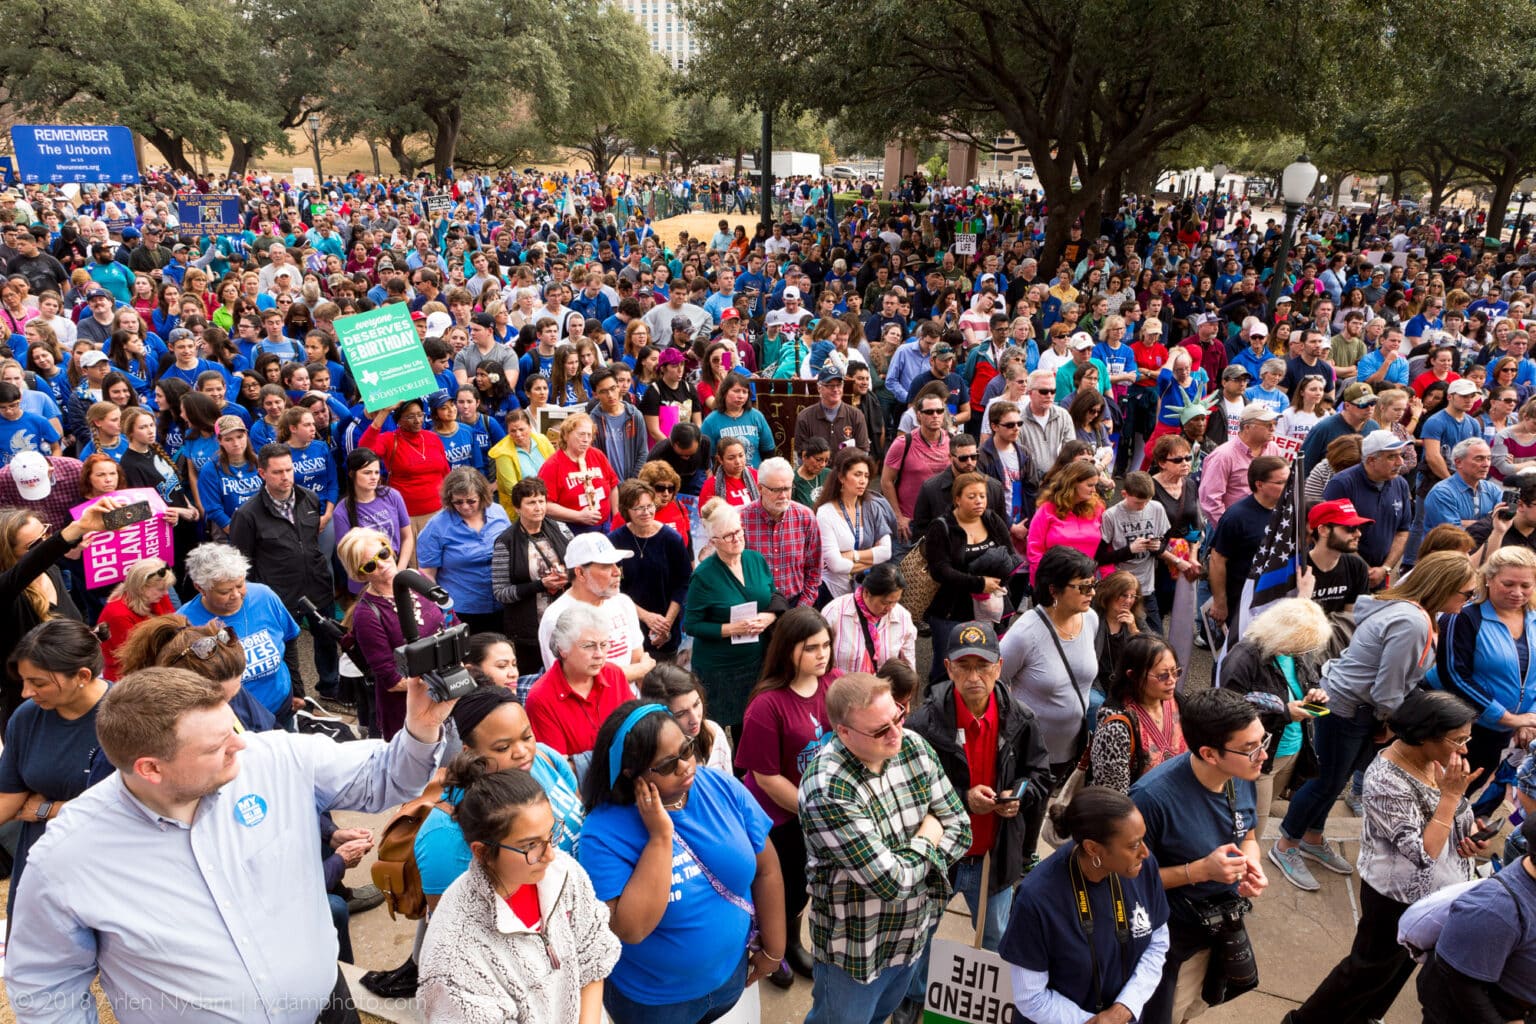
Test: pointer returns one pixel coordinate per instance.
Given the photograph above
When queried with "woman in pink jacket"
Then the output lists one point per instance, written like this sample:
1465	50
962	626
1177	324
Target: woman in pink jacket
1069	513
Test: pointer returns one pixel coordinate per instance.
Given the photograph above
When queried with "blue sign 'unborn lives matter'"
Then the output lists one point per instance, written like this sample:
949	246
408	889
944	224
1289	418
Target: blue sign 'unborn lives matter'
61	154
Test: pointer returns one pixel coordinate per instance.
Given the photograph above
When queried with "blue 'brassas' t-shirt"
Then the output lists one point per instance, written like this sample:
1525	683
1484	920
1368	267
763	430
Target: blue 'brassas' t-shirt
27	433
1044	933
1185	821
265	629
442	855
724	825
461	448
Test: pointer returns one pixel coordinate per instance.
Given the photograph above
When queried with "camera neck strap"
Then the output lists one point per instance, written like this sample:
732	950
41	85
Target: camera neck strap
1085	921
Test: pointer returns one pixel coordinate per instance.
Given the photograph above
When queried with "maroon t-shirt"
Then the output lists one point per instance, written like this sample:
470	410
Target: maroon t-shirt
780	733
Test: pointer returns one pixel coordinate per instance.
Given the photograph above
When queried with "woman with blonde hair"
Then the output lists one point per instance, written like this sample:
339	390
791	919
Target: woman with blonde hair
1387	658
1281	655
1069	513
144	592
104	431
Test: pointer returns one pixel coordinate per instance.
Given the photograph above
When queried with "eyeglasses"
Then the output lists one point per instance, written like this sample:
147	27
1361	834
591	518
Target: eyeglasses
1459	742
373	563
47	532
643	510
1255	755
663	488
1467	594
204	646
536	850
732	537
1010	425
1179	458
159	573
1085	588
885	730
967	458
1164	677
1045	391
774	490
670	765
470	502
1365	403
930	412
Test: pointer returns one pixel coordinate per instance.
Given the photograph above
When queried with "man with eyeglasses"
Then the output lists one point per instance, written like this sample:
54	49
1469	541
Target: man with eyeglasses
785	533
620	435
934	498
1224	473
1200	811
883	828
911	460
1002	458
832	419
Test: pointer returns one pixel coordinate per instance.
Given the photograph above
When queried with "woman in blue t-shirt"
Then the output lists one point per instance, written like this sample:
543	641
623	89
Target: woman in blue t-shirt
1089	928
696	845
224	484
496	735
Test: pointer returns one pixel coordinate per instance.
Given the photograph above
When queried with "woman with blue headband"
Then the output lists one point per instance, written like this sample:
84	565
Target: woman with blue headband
683	860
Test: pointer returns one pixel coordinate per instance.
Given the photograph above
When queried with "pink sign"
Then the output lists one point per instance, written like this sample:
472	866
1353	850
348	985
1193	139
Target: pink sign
107	555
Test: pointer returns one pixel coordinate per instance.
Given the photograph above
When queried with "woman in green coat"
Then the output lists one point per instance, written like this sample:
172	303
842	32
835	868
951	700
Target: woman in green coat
728	645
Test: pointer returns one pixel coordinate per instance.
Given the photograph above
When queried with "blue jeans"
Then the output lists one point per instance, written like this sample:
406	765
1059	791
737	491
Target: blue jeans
341	917
1340	741
838	998
967	884
702	1010
941	629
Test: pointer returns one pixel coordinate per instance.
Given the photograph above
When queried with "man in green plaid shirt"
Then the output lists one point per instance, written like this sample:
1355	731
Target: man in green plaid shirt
883	827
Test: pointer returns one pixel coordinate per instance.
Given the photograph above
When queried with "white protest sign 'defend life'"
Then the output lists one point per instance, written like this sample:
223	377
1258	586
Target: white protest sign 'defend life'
386	357
965	245
967	986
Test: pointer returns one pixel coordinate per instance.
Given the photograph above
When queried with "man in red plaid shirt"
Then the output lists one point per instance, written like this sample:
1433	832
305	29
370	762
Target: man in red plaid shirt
785	533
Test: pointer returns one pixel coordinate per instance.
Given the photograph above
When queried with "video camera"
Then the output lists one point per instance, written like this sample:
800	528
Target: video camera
439	659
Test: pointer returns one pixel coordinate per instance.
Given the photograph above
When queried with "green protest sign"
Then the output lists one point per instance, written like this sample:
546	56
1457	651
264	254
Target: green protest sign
384	353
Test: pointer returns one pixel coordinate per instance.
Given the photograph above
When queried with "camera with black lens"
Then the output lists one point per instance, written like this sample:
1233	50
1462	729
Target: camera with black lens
1234	969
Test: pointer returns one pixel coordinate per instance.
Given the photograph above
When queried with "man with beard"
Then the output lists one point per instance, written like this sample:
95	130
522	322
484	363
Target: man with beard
594	565
1339	574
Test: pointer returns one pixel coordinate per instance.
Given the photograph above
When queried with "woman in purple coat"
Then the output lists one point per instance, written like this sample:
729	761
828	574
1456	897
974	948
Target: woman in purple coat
368	558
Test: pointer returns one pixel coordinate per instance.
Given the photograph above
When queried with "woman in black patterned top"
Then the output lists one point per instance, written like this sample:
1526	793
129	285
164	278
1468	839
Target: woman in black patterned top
1139	723
1415	839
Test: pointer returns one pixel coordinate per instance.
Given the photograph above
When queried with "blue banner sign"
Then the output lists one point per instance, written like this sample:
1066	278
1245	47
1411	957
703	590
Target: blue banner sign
61	154
216	214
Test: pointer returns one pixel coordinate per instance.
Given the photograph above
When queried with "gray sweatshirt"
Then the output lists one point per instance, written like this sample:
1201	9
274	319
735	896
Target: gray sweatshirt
1384	662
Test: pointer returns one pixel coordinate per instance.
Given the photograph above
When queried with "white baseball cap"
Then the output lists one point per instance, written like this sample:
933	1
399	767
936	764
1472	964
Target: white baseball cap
1081	340
588	548
31	472
438	324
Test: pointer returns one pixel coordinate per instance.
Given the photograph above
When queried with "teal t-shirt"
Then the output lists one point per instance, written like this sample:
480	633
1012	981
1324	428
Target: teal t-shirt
1290	739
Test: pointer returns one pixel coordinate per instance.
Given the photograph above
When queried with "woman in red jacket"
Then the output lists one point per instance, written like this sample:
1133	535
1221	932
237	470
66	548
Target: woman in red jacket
415	458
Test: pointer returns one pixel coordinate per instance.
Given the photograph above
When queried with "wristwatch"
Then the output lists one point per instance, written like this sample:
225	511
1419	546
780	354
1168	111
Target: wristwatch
43	809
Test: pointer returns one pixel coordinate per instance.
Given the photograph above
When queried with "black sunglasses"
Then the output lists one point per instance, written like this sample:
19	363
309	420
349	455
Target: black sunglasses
670	765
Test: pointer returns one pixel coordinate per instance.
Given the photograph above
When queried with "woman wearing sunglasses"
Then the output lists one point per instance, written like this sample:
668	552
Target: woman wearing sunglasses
683	859
520	935
1138	726
32	588
145	591
375	621
51	756
1281	655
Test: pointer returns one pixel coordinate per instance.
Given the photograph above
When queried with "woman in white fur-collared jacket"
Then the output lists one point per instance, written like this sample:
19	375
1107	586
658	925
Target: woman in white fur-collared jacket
520	937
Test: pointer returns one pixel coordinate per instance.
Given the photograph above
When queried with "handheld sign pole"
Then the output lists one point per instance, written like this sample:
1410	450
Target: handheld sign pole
981	903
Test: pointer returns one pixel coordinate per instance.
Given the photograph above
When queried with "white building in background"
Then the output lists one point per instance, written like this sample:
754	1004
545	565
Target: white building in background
663	21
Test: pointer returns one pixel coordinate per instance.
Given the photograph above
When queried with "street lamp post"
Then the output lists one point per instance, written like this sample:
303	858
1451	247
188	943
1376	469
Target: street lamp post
1527	187
1296	184
314	138
1382	181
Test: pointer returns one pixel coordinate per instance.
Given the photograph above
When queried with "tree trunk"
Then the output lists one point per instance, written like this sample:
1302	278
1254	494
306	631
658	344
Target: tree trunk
738	161
448	120
1436	196
373	150
397	150
1503	188
239	155
173	148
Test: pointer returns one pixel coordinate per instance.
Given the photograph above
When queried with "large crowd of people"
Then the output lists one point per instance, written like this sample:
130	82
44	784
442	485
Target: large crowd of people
700	746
